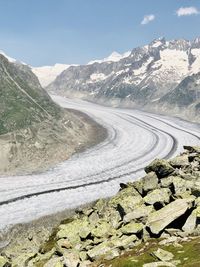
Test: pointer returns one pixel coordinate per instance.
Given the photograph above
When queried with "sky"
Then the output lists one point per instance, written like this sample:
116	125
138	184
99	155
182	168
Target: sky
45	32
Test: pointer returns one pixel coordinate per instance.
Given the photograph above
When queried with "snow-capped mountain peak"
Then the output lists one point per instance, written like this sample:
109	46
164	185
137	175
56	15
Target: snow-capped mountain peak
114	57
144	74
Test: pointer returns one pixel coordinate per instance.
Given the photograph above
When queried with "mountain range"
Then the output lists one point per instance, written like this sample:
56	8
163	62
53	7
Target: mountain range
150	77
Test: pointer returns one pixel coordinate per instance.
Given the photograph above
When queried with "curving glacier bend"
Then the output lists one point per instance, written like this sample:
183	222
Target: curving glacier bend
134	139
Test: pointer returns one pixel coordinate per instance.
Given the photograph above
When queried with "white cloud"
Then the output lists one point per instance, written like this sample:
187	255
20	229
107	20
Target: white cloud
147	19
187	11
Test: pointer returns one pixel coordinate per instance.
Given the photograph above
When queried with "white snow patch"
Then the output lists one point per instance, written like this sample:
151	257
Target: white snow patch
97	77
47	74
157	44
114	57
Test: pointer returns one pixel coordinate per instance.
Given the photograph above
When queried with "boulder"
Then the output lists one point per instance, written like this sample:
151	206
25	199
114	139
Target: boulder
101	206
4	262
114	218
197	211
147	183
180	185
150	182
23	259
71	258
139	212
98	252
161	167
124	242
163	255
132	228
179	161
71	231
192	149
93	218
125	204
63	243
41	258
158	220
112	254
162	264
103	229
190	223
158	195
54	262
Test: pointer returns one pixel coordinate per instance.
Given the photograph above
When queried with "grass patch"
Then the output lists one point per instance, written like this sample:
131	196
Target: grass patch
189	254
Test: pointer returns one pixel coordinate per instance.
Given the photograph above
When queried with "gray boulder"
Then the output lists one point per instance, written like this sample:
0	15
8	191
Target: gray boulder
179	161
158	220
132	228
161	167
4	262
158	195
138	213
163	255
190	223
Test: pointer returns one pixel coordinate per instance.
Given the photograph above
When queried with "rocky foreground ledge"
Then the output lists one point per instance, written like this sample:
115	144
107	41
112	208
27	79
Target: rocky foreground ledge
163	206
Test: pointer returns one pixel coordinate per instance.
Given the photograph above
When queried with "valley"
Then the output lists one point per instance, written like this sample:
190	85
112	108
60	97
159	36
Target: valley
134	139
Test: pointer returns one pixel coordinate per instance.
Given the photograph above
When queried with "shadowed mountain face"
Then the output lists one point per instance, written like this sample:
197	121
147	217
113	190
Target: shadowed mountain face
22	100
186	93
141	79
184	100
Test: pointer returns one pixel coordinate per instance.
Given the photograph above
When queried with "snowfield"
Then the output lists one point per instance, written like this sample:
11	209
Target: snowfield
134	139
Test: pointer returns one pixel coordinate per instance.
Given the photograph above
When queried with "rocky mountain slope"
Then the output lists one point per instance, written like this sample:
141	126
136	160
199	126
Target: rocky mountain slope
182	100
34	131
153	219
140	79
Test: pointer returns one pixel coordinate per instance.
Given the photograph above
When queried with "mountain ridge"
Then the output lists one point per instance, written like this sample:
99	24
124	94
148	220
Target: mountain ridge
138	80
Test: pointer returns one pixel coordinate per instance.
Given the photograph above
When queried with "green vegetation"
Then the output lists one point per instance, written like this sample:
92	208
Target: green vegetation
188	254
22	100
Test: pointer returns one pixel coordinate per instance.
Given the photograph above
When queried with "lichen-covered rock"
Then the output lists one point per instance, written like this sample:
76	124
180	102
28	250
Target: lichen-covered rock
192	149
163	255
179	161
190	223
124	242
180	185
165	203
147	183
162	264
158	195
150	182
127	203
71	231
103	229
158	220
41	258
93	218
23	259
161	167
4	262
101	206
132	228
54	262
100	250
138	213
71	258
